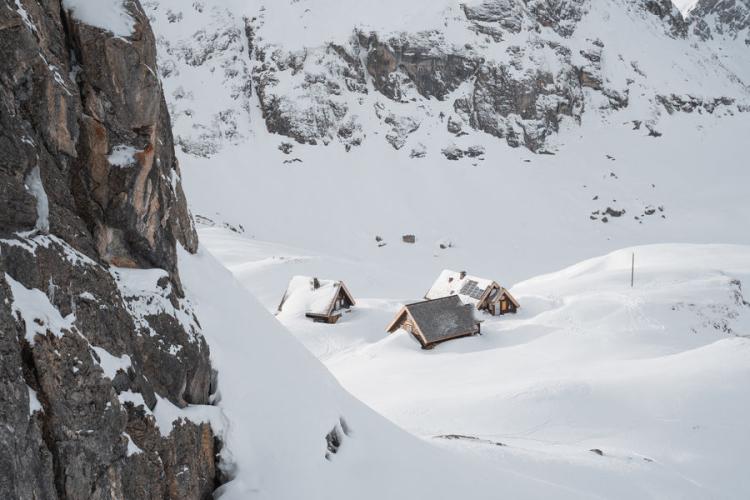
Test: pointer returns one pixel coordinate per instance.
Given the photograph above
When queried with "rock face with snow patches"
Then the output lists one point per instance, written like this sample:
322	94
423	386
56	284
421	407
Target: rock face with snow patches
98	345
517	70
722	18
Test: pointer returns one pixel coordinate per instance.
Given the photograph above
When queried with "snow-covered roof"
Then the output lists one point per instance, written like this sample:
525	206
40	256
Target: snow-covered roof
307	295
443	319
468	288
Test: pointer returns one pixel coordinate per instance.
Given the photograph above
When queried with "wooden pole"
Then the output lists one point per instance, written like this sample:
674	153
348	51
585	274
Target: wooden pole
632	269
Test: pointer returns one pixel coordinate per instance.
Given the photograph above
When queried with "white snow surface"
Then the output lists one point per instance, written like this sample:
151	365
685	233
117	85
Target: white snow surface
112	364
649	375
109	15
145	297
314	22
280	403
34	404
122	156
167	414
685	6
25	15
132	447
36	188
38	313
31	241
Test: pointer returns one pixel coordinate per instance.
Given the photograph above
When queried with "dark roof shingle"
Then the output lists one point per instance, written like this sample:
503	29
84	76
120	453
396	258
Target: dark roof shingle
443	319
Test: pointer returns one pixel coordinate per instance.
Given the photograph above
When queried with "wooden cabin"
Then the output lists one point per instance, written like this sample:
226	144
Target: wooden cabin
432	322
323	301
484	294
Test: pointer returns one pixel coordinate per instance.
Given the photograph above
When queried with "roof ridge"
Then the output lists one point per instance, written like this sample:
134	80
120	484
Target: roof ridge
431	300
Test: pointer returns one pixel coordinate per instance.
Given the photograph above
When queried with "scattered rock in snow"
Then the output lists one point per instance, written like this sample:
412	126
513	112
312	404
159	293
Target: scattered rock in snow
445	244
474	151
652	132
613	212
335	438
475	439
454	125
418	151
401	127
454	152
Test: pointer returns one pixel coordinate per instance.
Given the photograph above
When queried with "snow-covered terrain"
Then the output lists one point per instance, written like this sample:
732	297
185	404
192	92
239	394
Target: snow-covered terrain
283	407
507	212
623	129
652	377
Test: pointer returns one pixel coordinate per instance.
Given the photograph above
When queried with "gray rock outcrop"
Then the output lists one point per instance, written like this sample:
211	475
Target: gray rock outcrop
520	95
711	19
520	71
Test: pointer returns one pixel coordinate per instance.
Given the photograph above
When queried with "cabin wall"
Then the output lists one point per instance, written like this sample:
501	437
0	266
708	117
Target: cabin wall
398	324
488	304
502	306
469	334
342	302
406	323
333	318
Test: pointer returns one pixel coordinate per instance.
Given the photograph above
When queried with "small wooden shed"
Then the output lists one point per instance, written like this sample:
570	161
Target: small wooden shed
320	300
432	322
485	295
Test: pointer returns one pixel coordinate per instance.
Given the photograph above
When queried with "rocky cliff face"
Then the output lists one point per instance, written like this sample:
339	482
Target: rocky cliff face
512	97
721	18
99	348
514	70
523	69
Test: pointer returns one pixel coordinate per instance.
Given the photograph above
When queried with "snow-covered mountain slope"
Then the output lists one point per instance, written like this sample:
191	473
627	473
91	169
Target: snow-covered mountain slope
724	25
495	204
513	70
727	19
652	376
